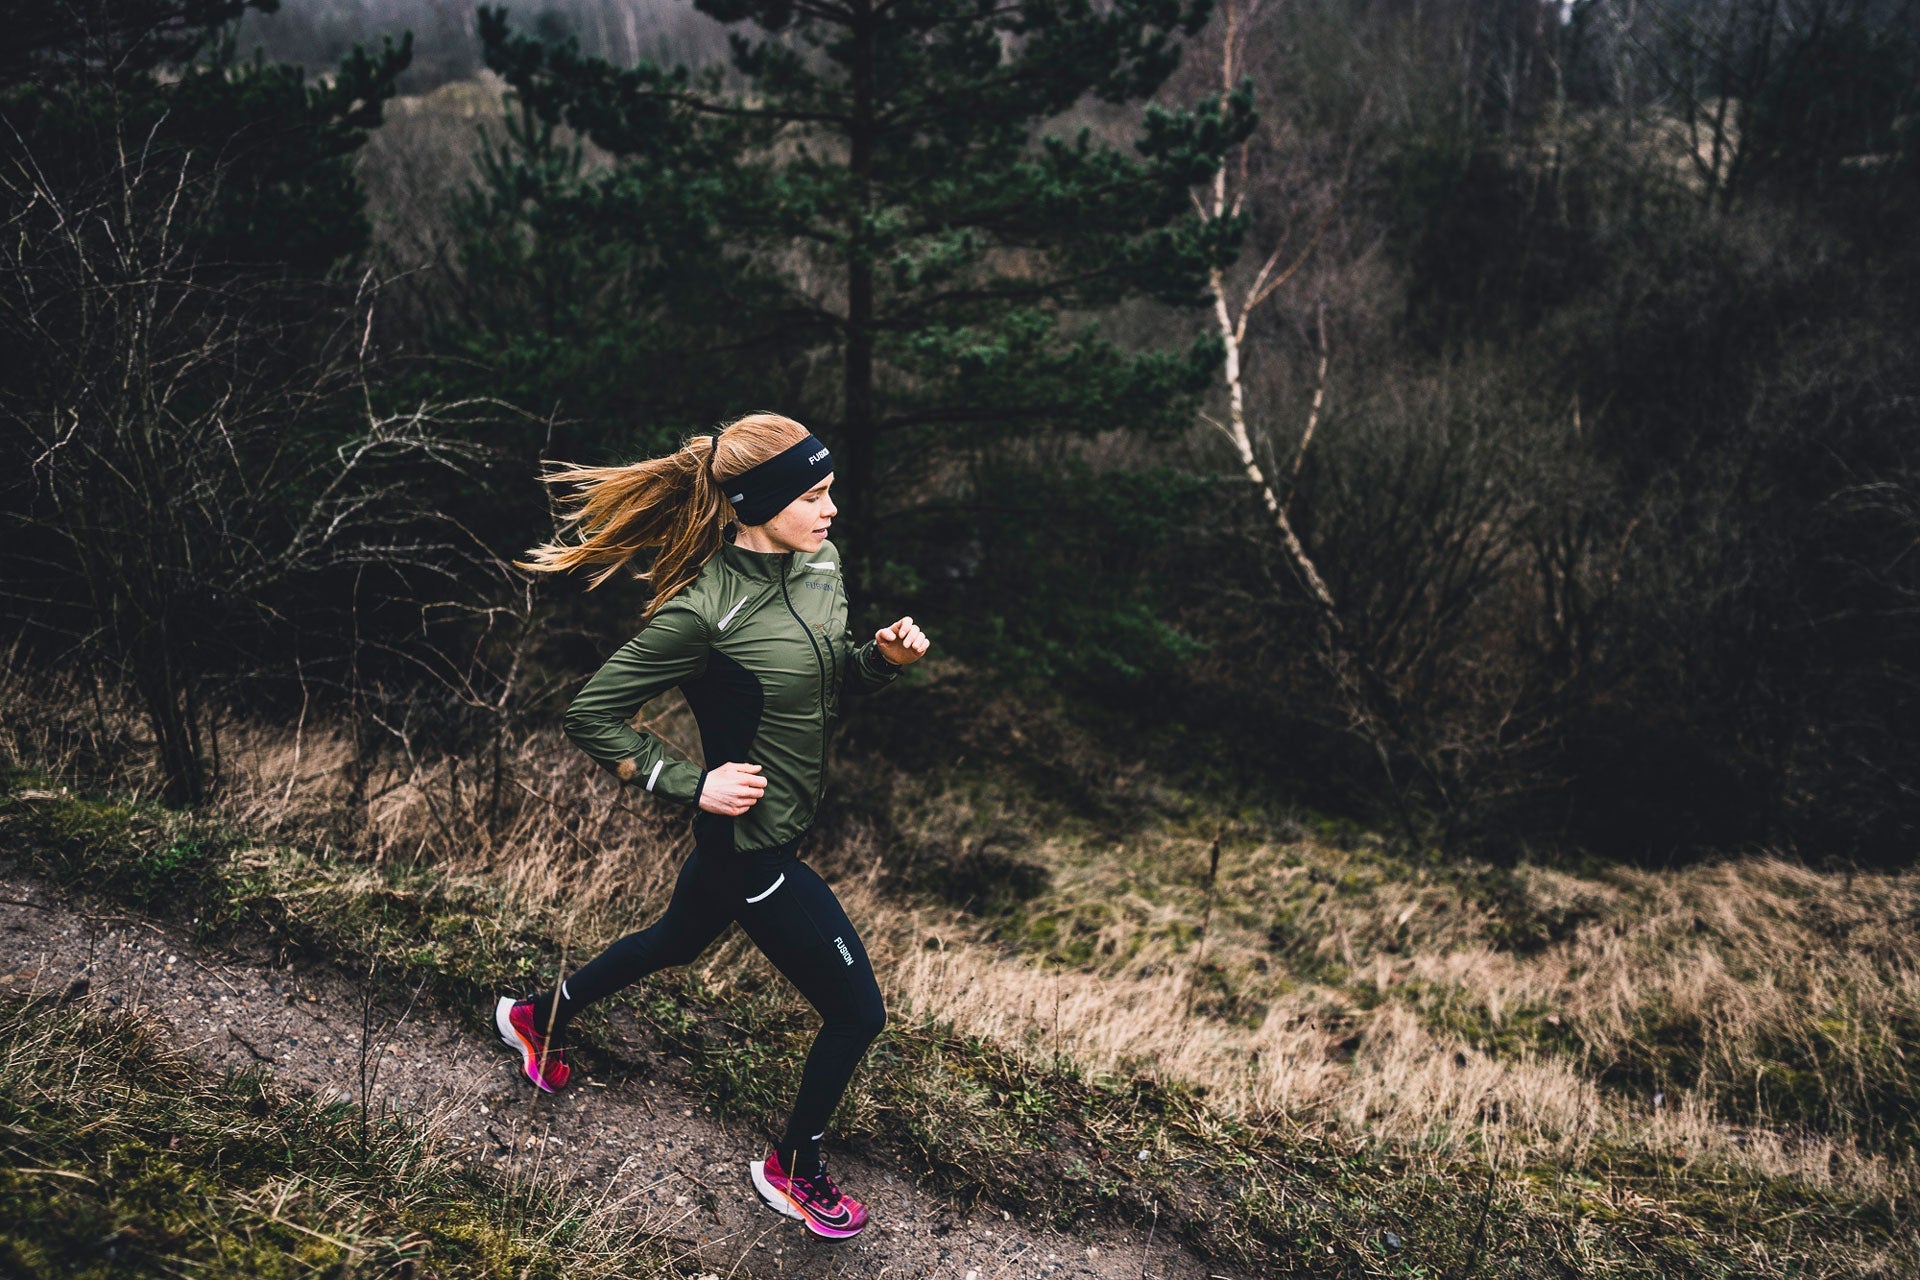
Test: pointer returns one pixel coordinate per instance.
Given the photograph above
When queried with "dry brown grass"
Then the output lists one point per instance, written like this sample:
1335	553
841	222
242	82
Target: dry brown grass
1418	1031
1372	1042
1527	1017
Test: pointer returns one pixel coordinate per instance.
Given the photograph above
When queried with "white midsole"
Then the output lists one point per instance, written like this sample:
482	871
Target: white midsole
505	1026
773	1198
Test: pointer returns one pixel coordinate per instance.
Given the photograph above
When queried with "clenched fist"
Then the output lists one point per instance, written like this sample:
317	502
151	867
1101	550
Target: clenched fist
732	789
902	643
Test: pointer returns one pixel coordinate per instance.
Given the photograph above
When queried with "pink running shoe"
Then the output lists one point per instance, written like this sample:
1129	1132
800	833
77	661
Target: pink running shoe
545	1066
827	1210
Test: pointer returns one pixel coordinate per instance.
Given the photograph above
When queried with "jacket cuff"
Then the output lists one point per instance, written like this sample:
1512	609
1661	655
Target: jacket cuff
674	780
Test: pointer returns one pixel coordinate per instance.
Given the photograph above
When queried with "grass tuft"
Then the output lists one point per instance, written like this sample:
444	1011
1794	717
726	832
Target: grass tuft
120	1157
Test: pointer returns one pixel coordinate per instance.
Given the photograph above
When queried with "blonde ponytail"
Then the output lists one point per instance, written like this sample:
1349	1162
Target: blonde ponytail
676	505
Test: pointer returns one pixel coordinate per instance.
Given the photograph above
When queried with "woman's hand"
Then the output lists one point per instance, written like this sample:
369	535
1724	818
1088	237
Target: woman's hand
901	643
732	788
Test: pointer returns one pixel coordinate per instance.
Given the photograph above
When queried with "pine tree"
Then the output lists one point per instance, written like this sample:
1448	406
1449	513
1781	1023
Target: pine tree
599	301
894	157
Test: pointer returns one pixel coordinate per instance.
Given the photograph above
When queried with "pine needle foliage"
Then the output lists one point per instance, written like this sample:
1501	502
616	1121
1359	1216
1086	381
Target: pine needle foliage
943	238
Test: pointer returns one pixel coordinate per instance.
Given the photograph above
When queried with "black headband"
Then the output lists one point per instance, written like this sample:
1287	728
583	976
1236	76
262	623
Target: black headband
762	491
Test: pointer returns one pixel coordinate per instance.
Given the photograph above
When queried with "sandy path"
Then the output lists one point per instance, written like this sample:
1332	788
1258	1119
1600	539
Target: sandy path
636	1136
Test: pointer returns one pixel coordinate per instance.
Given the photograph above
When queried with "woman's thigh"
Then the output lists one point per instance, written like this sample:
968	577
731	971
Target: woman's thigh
797	921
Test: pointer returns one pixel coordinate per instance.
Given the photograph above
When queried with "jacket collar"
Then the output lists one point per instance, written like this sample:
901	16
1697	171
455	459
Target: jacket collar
757	565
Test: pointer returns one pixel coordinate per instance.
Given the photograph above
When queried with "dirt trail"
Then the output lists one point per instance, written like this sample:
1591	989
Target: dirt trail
638	1139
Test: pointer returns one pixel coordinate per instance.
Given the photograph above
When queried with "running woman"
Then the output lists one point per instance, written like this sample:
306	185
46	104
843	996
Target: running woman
749	620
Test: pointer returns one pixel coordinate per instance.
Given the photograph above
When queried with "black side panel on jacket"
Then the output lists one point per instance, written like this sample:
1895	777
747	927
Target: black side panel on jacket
726	699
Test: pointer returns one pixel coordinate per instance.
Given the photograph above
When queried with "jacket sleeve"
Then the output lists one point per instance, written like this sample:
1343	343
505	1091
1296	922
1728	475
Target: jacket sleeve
671	649
863	670
867	671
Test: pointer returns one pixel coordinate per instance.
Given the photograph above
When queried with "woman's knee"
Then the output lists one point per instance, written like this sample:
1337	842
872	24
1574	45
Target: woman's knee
862	1017
870	1017
657	948
676	947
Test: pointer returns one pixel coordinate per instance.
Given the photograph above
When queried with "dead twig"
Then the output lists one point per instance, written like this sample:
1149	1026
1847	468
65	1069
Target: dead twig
248	1045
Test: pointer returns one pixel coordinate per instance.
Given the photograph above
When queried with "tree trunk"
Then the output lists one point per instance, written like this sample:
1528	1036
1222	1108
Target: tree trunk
176	737
857	480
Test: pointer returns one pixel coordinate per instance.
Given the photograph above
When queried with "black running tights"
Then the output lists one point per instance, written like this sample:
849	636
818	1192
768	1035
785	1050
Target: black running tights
792	916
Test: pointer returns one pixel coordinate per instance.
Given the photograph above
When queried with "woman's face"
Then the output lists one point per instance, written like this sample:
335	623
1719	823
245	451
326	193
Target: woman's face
803	523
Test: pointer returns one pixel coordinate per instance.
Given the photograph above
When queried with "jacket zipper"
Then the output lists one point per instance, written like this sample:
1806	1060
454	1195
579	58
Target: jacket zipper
820	772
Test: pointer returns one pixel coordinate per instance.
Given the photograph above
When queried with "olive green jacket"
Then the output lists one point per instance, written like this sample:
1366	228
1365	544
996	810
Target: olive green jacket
760	646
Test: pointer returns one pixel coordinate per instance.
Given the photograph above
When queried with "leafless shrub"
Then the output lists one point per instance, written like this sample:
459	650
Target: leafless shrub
197	442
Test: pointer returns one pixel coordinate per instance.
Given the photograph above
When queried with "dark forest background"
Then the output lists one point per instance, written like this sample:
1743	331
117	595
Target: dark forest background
1545	475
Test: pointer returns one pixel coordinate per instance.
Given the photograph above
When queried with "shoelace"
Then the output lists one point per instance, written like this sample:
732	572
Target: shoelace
821	1187
554	1052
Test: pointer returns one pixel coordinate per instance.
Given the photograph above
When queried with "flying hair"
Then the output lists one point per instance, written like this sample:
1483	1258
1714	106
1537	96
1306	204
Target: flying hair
676	506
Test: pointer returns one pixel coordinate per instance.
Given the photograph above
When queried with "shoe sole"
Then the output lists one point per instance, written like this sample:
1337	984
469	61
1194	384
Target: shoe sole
782	1203
529	1063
